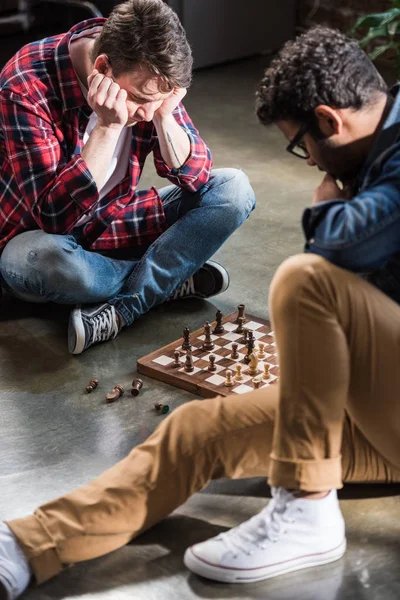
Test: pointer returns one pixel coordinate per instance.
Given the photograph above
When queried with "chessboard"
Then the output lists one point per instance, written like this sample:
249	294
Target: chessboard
161	363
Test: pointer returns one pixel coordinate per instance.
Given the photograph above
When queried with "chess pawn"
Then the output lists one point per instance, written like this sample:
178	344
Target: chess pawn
253	362
161	408
266	374
261	353
250	346
256	383
186	345
228	381
240	327
238	376
211	366
177	359
234	353
208	344
219	328
189	368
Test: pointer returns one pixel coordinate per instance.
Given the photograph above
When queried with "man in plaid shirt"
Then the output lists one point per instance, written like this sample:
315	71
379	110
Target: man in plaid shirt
79	114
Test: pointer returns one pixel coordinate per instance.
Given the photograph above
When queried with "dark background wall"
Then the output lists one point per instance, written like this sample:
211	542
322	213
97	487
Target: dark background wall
337	13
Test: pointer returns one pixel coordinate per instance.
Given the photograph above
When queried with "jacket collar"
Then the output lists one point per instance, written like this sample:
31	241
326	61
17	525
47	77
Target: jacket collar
70	90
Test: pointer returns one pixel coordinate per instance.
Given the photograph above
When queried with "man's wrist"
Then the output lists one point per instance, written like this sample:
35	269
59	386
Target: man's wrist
163	120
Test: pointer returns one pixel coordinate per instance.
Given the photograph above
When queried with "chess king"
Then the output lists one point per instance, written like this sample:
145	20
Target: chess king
334	416
80	113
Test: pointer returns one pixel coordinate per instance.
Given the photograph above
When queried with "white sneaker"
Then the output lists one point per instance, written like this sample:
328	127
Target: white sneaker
15	572
289	534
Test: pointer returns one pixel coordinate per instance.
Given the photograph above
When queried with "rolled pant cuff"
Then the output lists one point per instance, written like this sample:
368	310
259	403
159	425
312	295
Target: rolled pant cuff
38	547
307	475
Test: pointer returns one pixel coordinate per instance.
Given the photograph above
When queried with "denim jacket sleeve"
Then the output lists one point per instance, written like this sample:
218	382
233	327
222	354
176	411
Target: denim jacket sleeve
361	234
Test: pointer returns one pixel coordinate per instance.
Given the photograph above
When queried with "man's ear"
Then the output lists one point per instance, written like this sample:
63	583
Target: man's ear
329	120
102	64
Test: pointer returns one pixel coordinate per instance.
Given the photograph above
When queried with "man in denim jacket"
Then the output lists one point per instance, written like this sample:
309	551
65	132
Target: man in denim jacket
335	415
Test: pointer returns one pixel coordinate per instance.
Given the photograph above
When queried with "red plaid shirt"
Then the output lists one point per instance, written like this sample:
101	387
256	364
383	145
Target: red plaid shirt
44	181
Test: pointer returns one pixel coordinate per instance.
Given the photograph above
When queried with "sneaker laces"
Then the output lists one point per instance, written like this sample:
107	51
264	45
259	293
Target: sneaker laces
267	526
186	289
104	325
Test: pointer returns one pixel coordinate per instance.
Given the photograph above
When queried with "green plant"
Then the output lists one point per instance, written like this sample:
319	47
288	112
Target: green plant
382	34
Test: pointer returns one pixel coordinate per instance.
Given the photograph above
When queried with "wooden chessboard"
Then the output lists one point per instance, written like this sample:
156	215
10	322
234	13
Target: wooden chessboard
160	364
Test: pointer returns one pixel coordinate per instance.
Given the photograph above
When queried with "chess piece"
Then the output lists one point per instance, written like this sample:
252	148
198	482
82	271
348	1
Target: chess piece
240	314
137	385
243	340
266	374
261	353
208	344
238	375
93	383
250	346
186	345
228	381
256	383
234	353
189	368
252	370
116	393
211	366
219	328
177	359
240	328
161	408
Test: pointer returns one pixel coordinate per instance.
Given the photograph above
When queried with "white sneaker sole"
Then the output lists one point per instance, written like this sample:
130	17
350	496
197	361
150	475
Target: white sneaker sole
76	324
230	575
224	274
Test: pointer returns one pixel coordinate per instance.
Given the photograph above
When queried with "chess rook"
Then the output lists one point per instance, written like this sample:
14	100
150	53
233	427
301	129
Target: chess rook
186	345
189	368
208	344
240	314
234	353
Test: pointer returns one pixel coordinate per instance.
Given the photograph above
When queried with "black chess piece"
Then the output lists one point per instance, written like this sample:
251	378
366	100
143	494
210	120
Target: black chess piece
189	368
240	314
234	353
208	344
186	345
240	328
251	344
219	328
211	367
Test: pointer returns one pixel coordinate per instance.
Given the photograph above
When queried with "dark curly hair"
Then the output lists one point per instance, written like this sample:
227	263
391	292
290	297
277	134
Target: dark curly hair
146	33
321	66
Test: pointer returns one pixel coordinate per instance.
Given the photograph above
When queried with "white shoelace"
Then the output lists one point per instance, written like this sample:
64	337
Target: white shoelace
104	325
263	528
187	288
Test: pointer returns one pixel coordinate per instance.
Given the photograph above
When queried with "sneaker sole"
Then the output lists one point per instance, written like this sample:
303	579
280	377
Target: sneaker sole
227	575
76	330
224	274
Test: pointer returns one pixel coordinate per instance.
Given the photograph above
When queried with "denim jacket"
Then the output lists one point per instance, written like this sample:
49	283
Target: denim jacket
363	235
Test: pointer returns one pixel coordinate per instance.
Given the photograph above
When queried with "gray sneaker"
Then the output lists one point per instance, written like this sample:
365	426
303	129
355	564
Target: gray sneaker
210	280
88	326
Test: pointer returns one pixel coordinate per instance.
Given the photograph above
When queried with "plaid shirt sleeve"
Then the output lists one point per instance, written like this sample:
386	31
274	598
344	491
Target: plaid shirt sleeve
192	175
56	192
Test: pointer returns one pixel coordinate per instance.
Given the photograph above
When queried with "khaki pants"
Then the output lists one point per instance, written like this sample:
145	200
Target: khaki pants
334	417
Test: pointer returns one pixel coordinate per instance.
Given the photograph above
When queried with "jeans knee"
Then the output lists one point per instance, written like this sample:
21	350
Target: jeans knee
292	277
35	261
238	195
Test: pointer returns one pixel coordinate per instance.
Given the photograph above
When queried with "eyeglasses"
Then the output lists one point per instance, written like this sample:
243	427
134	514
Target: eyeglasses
296	146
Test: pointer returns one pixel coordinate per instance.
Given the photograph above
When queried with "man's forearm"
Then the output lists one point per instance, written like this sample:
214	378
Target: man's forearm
174	141
98	152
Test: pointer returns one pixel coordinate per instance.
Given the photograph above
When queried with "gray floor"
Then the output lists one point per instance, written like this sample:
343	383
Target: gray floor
53	437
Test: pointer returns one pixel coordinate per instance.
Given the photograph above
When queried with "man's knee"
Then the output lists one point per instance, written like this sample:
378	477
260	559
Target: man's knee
33	258
238	193
293	276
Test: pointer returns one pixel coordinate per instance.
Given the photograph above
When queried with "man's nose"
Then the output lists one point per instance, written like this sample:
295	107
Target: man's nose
146	112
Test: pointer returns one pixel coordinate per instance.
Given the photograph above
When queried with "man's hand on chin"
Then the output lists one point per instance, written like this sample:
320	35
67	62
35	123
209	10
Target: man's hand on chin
329	189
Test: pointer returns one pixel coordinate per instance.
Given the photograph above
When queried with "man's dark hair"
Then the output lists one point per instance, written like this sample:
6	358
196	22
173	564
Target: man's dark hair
146	33
321	66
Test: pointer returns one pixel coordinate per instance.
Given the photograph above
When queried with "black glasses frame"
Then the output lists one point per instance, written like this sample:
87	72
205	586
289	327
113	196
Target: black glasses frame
296	142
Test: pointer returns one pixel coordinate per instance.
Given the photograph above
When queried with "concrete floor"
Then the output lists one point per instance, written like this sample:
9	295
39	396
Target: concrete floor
53	437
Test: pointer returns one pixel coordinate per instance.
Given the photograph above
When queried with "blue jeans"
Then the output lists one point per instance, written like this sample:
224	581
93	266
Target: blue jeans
39	266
